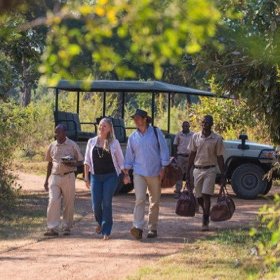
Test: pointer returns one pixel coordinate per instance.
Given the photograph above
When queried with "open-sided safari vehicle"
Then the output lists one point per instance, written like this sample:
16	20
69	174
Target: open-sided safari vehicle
246	162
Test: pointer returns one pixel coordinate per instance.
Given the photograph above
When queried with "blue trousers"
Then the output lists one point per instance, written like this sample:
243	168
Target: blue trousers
103	188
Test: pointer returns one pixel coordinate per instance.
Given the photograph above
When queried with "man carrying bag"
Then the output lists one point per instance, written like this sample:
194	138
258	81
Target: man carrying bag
207	150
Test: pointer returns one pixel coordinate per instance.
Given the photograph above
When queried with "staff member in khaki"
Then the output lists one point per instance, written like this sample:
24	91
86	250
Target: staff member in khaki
62	181
181	146
207	150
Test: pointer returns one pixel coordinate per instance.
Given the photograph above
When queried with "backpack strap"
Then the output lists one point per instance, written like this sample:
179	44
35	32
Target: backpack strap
156	133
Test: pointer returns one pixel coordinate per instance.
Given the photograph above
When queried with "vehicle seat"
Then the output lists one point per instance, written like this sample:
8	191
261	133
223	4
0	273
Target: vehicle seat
73	125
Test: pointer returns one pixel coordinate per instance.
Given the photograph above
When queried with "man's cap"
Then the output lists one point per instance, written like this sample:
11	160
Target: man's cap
143	114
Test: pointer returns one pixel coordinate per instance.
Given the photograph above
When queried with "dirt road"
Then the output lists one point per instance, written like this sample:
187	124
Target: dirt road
84	255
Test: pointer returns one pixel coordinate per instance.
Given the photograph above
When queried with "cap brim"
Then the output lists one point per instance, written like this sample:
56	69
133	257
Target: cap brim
149	119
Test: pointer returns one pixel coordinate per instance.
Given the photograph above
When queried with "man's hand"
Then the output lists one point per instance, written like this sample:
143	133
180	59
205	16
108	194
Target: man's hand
161	173
46	186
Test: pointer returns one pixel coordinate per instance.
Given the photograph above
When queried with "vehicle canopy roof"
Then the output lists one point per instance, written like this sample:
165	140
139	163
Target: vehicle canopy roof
128	86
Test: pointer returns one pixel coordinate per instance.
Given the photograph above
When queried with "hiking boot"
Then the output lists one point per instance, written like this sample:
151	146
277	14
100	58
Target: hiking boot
51	232
136	233
205	223
152	234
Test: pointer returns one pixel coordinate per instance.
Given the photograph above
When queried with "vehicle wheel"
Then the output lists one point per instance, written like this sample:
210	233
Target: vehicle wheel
247	181
268	188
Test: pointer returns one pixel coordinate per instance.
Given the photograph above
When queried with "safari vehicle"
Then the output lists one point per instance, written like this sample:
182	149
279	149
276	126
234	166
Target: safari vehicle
246	162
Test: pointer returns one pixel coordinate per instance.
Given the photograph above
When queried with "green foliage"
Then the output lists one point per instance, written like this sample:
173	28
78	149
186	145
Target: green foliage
268	244
12	120
119	34
231	118
248	63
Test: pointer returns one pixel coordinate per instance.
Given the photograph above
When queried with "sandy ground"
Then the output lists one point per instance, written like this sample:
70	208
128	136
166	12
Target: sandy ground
83	255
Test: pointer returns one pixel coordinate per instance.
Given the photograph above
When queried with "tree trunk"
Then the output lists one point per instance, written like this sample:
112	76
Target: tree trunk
25	95
26	87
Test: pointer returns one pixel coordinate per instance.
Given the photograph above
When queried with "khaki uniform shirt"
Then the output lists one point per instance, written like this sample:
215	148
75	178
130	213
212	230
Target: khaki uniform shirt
56	151
182	141
207	148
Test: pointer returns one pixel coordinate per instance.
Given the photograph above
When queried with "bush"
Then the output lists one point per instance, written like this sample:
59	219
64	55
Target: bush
268	244
12	123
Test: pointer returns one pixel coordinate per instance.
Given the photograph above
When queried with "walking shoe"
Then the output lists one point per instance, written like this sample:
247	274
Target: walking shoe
205	223
136	233
98	229
66	231
106	237
51	232
152	234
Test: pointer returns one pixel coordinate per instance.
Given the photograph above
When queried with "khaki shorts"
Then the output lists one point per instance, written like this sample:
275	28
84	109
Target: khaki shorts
204	181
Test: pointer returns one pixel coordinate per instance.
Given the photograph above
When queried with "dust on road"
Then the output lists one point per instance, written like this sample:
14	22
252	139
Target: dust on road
84	255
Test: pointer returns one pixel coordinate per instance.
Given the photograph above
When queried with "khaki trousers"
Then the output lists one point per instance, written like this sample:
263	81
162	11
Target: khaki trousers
141	184
61	187
183	164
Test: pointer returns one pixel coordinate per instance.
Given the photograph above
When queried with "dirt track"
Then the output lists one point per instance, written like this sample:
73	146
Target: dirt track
84	256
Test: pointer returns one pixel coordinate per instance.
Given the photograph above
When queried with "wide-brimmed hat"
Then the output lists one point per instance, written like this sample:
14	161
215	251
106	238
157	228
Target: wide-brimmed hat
143	114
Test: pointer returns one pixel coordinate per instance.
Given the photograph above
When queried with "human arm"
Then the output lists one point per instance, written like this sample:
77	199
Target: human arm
120	161
193	150
220	160
190	165
129	157
49	171
221	164
175	144
86	175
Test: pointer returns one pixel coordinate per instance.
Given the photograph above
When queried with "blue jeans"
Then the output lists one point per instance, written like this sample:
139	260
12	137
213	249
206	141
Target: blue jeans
103	188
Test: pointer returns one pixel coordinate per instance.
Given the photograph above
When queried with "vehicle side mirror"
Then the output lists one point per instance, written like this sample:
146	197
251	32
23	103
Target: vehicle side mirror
243	138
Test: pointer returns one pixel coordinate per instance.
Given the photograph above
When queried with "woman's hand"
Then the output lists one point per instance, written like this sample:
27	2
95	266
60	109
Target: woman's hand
126	179
87	183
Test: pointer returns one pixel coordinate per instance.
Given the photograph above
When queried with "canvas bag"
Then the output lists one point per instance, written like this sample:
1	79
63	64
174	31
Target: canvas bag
186	204
224	208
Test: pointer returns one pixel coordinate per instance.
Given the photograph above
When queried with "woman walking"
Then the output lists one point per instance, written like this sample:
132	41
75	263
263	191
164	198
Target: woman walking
104	162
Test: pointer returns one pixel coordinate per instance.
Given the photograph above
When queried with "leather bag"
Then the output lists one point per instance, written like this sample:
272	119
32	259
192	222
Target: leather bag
172	173
186	204
224	208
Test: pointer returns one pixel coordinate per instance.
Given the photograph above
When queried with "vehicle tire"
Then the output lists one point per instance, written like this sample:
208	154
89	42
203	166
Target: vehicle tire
247	181
268	187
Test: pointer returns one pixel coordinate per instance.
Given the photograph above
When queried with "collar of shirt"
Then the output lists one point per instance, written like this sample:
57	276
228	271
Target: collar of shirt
64	143
146	131
211	136
186	135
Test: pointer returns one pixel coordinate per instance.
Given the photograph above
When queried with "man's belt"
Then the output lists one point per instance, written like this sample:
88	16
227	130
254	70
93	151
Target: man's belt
204	167
64	173
183	155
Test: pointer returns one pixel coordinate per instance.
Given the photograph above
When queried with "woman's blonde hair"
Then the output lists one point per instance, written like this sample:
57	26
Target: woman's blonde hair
110	136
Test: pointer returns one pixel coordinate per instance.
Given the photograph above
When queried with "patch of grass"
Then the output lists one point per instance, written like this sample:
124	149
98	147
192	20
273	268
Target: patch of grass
228	255
33	166
26	217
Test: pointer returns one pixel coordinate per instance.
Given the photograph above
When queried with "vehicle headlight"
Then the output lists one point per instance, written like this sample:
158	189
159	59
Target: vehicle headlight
267	154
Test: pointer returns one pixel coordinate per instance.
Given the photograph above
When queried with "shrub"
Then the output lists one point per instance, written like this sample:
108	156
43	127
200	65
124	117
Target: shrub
268	244
12	122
